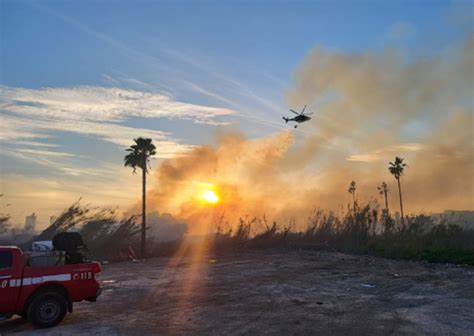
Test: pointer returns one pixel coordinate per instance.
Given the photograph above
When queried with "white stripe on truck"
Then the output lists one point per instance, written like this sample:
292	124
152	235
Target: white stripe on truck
38	280
57	277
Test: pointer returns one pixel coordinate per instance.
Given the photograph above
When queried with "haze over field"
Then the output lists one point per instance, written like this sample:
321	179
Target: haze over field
215	116
368	108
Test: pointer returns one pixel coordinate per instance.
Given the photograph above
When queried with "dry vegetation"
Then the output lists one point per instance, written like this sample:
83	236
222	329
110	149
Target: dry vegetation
360	230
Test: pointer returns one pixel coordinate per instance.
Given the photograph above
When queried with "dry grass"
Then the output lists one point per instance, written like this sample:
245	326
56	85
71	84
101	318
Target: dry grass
359	231
362	232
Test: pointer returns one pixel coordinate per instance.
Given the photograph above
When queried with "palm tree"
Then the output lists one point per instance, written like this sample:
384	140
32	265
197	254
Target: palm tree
139	156
396	169
383	190
351	190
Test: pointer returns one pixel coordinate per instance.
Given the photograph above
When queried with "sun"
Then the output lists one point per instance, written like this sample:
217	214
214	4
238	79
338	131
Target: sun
210	196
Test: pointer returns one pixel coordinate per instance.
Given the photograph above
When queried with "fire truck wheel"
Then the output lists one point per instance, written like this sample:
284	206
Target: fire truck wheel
47	309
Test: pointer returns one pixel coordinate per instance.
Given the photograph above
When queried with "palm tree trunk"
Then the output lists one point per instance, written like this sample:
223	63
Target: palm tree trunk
354	204
401	203
386	209
143	242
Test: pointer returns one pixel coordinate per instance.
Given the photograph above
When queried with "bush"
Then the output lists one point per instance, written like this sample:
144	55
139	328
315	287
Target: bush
361	231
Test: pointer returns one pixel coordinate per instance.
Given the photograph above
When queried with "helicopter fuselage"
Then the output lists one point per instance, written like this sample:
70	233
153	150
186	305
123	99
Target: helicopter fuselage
299	118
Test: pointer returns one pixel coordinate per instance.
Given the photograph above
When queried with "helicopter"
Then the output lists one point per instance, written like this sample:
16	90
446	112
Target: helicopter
300	117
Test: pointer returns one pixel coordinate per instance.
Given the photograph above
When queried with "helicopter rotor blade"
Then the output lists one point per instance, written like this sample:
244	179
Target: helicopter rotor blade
304	108
294	111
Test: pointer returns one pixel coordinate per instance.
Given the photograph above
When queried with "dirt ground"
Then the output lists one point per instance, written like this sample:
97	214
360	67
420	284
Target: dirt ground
275	293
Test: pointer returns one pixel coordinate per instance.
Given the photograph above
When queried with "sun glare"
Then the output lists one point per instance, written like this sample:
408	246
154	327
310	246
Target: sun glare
210	196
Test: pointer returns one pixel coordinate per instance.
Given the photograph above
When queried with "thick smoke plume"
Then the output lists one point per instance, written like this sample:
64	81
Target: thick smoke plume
368	108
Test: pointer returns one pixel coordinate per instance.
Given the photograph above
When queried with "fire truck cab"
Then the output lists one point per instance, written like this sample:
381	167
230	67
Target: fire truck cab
43	294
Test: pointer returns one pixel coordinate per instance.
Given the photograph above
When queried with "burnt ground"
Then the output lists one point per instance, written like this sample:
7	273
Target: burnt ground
275	293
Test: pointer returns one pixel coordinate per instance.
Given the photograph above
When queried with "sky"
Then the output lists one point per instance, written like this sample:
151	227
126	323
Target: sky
80	79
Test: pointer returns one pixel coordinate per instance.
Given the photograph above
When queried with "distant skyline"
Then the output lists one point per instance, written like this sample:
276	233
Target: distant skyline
80	79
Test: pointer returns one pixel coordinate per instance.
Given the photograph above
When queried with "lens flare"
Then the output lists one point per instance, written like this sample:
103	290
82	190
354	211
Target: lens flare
210	196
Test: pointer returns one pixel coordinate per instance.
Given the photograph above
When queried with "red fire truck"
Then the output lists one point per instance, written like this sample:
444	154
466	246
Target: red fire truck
43	294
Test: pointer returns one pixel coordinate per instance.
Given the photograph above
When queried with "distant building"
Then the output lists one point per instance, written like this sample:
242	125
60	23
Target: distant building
52	219
30	222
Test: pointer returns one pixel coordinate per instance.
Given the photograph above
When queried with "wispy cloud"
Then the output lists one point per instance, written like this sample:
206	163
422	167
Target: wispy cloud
234	86
119	79
385	152
35	144
44	152
254	116
66	164
19	128
93	103
227	85
100	112
110	80
41	158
